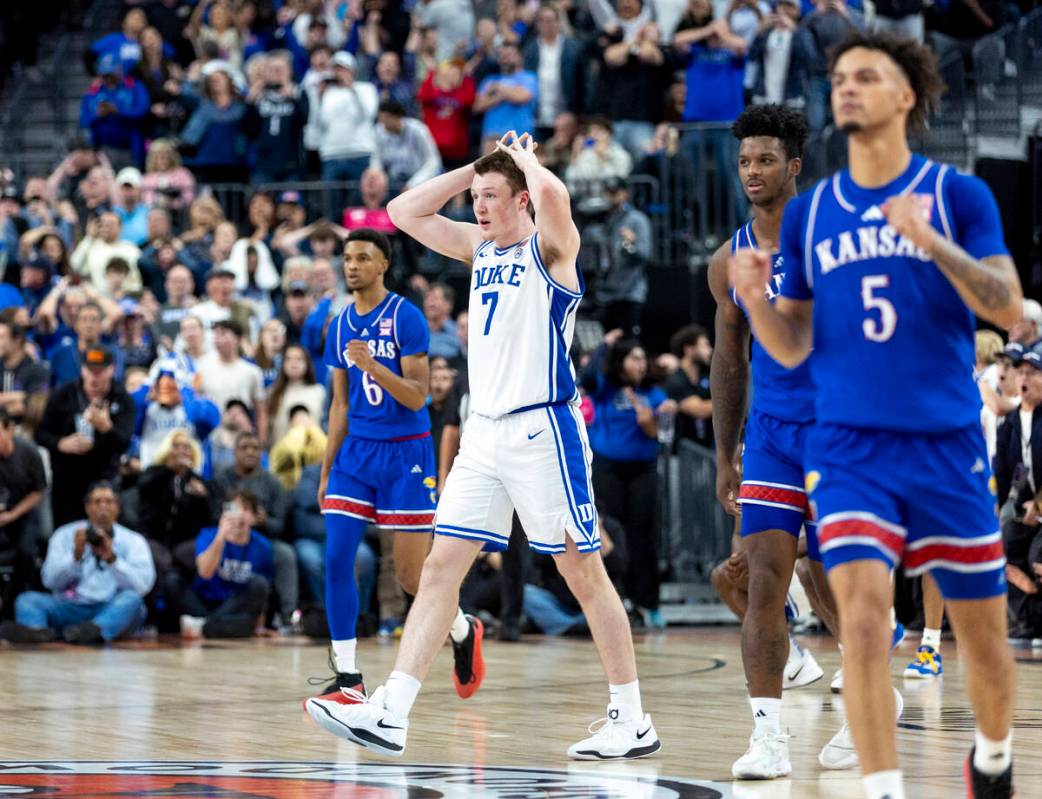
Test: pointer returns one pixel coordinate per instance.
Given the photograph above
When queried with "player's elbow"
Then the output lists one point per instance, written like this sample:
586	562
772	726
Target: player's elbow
396	210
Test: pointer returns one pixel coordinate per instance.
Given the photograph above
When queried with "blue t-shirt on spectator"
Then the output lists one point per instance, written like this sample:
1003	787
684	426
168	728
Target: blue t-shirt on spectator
238	564
507	116
714	85
10	296
615	433
121	47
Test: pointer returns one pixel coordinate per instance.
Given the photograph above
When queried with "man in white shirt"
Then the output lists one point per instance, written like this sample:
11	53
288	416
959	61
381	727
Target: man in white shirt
225	375
97	572
102	244
347	120
221	304
405	149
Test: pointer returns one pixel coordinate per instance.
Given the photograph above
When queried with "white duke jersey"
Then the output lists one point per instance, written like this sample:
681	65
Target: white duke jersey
521	326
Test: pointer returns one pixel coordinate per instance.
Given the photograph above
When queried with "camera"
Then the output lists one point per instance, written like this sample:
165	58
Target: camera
93	537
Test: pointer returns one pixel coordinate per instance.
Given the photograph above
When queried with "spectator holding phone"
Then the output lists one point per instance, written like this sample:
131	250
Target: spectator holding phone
234	565
86	426
97	573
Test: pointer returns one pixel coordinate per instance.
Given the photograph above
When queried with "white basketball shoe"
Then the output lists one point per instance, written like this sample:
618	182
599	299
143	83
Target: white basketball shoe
766	758
801	668
367	723
839	753
617	740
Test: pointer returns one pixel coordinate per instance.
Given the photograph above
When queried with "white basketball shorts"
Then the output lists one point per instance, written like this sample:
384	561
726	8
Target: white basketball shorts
537	461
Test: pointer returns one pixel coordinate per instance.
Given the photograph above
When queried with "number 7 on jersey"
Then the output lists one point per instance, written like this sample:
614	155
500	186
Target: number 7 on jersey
490	297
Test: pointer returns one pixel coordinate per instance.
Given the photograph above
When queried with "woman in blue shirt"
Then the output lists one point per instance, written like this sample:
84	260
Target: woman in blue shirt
625	452
216	132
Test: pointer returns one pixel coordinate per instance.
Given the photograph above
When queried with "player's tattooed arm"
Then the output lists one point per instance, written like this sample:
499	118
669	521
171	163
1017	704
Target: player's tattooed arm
728	379
989	286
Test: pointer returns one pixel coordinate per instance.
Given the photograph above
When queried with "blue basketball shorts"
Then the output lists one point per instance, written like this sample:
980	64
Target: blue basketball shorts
392	484
772	494
922	500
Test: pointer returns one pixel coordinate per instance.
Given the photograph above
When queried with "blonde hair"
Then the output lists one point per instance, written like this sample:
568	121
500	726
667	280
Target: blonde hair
167	444
988	346
300	264
162	147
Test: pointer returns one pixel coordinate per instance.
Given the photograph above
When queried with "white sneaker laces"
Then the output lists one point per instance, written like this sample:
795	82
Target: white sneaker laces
354	695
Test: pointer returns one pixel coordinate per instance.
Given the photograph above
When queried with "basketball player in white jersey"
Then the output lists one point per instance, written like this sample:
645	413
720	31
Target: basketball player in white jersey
524	446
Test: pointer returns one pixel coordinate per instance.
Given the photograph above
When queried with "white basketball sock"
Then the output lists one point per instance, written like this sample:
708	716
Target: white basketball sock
460	627
401	692
884	785
931	638
992	757
766	714
344	656
627	697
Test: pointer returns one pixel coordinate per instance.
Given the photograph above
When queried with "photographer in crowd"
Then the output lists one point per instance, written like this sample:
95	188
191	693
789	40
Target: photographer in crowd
234	564
97	573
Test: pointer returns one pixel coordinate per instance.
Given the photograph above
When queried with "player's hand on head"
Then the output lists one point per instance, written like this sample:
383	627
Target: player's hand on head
520	148
749	271
910	218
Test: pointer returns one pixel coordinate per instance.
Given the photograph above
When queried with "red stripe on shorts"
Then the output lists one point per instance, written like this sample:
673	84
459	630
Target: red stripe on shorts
980	553
405	519
783	496
835	532
349	506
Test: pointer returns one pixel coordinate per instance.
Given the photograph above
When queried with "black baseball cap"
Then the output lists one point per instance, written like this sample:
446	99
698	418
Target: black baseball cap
97	357
1032	358
219	272
1014	351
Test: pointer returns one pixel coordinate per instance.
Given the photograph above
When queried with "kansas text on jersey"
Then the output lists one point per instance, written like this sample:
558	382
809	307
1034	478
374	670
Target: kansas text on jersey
893	341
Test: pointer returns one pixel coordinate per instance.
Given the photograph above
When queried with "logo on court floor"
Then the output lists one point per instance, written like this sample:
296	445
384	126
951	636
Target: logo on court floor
96	779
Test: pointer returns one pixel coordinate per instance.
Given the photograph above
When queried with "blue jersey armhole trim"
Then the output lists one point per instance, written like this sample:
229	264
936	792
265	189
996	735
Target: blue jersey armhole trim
546	273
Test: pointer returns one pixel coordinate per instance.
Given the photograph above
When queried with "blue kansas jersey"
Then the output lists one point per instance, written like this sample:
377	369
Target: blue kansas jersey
893	341
786	394
393	329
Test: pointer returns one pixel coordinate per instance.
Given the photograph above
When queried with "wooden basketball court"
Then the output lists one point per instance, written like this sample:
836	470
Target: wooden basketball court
224	719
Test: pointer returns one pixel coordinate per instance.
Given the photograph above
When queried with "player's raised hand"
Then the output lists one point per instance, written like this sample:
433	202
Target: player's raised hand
910	217
749	271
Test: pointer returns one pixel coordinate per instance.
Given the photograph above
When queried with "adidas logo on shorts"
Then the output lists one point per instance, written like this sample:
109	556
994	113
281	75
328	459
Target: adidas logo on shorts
416	469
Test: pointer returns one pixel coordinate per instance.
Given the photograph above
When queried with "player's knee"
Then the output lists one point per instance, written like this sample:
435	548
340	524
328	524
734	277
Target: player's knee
866	627
767	586
720	581
805	575
408	575
584	576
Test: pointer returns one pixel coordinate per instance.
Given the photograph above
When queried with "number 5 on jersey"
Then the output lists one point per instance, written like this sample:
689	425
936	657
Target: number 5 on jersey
881	330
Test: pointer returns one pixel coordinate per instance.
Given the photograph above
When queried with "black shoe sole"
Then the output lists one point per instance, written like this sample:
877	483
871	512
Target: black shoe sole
632	754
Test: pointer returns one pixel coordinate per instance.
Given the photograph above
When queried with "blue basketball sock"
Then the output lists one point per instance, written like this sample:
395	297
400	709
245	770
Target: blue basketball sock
343	535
